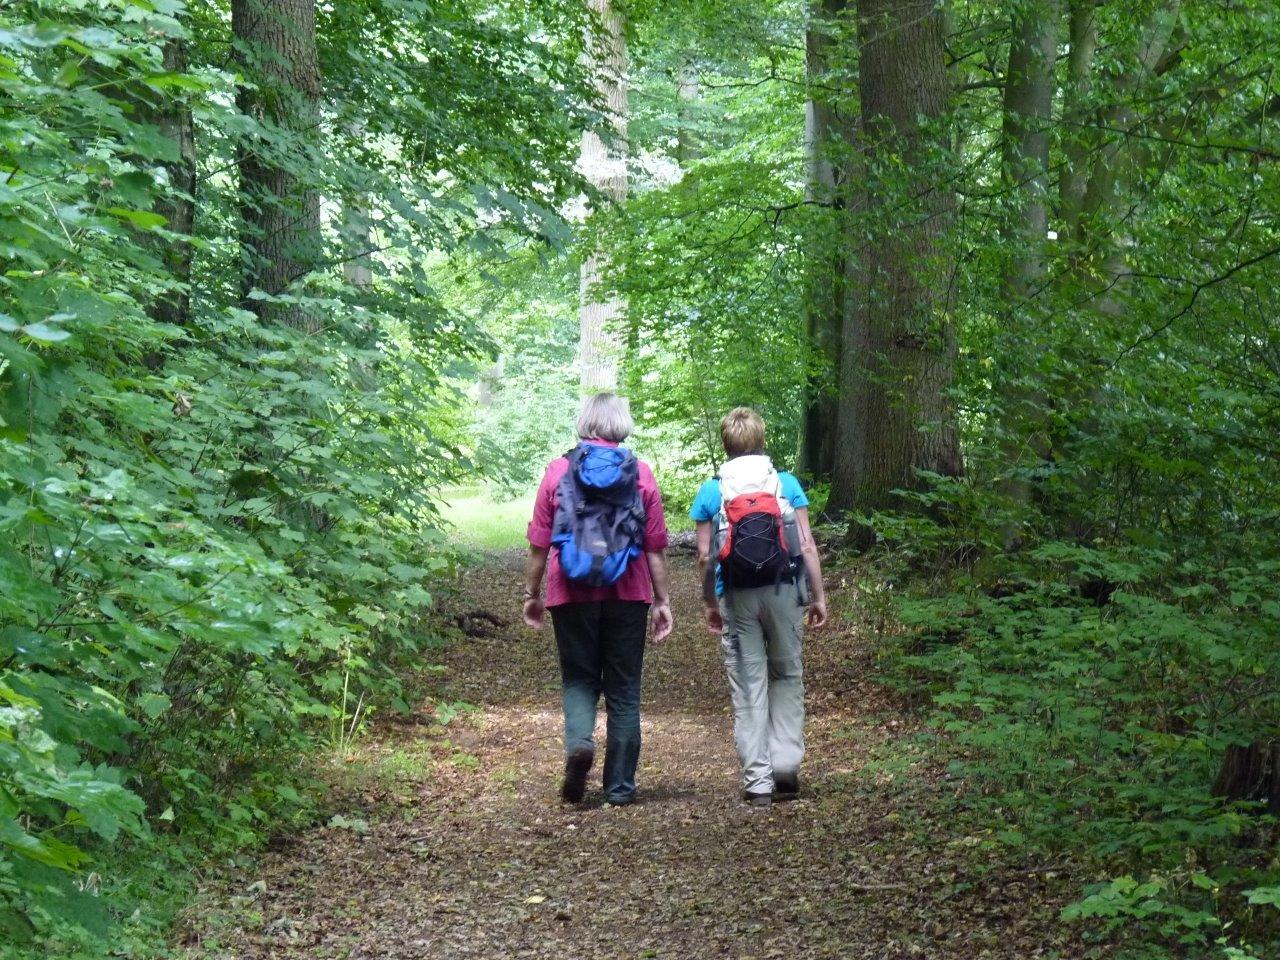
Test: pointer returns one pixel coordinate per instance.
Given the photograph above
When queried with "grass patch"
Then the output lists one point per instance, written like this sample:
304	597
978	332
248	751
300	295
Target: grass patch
483	519
486	521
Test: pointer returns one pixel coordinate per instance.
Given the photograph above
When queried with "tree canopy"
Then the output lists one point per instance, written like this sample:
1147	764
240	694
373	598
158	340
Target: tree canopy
1001	277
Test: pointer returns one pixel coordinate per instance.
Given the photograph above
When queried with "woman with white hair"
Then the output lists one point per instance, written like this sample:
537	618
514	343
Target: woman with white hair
599	535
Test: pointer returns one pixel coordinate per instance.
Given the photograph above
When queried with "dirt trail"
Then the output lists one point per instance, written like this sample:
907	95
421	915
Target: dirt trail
467	852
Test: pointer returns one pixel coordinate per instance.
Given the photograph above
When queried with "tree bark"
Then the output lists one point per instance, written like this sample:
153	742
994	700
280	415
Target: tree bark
605	167
275	45
899	347
1097	174
1114	161
828	157
1083	39
1251	773
1028	105
178	206
689	92
175	198
357	265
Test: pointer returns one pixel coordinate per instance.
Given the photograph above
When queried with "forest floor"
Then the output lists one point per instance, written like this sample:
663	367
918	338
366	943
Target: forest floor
451	841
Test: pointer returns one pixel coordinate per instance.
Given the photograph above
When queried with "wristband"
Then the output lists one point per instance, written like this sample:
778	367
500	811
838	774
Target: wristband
529	594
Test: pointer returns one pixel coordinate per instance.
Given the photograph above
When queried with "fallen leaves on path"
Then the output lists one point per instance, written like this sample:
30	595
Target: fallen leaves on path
463	850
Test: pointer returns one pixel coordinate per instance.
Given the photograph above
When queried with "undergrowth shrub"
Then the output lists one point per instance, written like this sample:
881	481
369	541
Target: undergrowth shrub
216	540
1087	694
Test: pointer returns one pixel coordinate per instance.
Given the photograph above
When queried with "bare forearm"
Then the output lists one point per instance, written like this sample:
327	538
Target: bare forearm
813	566
809	550
658	573
706	574
535	566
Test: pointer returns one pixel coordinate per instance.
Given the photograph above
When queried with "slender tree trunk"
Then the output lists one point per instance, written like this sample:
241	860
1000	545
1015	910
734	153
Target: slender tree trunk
689	92
828	154
490	383
171	116
1083	33
604	164
357	229
178	207
1028	105
1113	161
899	348
275	43
357	269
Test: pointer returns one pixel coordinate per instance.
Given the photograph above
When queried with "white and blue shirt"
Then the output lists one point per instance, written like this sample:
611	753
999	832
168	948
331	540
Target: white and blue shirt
706	505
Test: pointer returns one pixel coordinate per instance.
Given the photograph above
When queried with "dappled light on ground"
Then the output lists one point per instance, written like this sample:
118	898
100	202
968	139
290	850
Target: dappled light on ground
462	849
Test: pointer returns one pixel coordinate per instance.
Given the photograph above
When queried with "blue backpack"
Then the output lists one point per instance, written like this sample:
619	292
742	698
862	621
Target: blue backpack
599	522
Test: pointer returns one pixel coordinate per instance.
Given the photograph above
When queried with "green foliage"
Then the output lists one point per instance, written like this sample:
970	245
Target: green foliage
717	324
1091	680
218	533
217	539
1086	694
526	398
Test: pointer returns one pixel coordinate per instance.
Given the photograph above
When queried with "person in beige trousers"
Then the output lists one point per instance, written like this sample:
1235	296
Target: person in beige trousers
760	619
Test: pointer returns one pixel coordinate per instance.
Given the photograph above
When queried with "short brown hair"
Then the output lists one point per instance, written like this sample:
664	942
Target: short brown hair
742	431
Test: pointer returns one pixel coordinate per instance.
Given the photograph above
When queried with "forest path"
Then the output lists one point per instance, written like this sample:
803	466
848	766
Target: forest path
467	852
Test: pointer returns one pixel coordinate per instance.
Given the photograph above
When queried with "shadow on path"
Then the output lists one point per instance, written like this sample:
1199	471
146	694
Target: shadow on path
472	856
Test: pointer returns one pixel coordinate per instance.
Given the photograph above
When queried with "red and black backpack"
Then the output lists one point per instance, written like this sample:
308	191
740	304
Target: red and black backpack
753	543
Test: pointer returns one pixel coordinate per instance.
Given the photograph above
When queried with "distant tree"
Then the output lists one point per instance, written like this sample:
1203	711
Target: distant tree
604	164
1028	106
1027	115
688	90
172	115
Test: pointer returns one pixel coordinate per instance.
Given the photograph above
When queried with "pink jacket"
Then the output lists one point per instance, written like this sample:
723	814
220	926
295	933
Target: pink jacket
635	584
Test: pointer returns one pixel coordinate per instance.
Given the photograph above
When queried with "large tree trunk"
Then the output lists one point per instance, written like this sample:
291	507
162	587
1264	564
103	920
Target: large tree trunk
899	348
604	164
275	42
828	156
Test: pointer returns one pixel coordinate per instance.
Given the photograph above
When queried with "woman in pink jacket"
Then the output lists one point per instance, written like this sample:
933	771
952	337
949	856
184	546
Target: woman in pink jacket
601	599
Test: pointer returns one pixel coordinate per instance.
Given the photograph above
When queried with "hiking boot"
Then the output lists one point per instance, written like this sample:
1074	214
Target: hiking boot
758	799
786	786
576	767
